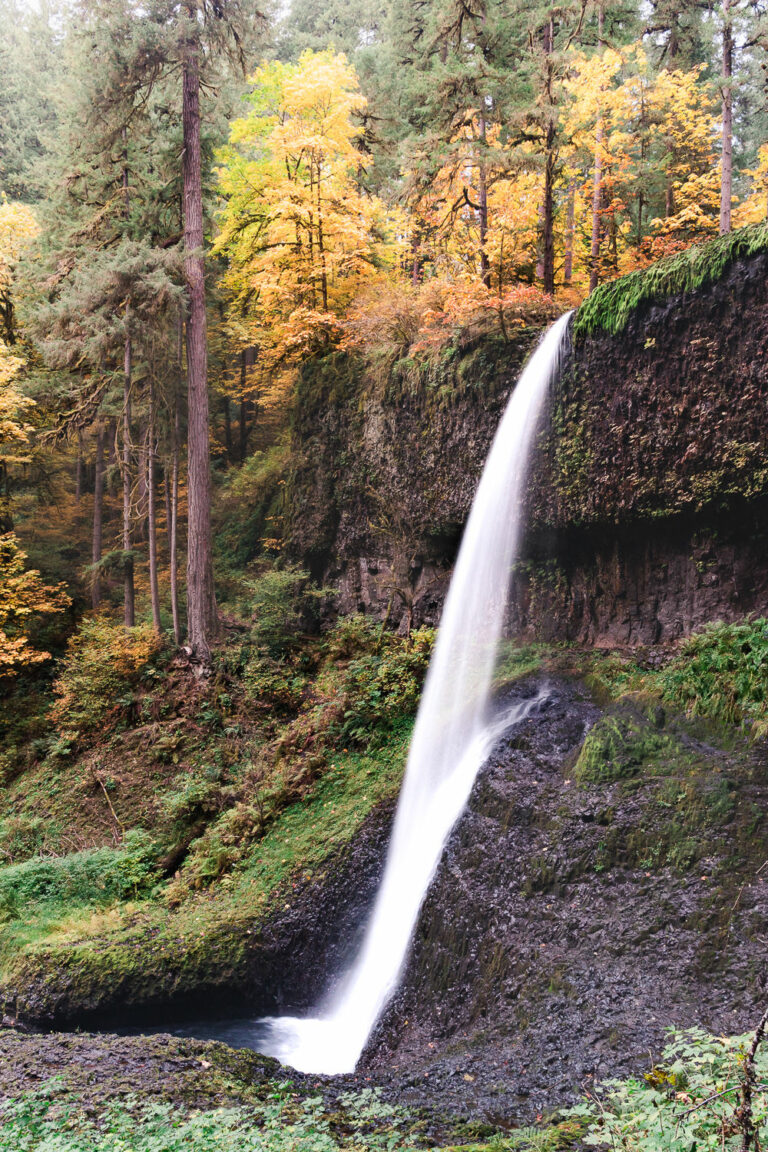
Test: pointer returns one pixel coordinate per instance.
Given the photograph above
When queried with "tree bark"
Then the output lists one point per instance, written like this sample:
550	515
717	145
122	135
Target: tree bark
548	206
227	428
726	172
128	588
174	525
548	215
79	468
98	514
201	601
246	361
154	590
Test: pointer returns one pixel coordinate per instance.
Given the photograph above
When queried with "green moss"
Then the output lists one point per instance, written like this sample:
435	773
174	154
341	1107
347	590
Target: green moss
618	747
609	307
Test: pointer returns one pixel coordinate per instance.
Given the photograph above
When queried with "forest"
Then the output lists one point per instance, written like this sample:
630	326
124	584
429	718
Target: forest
341	342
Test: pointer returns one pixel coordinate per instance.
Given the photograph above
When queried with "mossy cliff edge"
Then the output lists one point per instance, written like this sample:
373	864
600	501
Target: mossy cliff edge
649	495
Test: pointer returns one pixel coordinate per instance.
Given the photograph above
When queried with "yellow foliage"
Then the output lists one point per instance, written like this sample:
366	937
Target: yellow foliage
23	595
426	317
103	664
754	210
301	235
14	432
18	227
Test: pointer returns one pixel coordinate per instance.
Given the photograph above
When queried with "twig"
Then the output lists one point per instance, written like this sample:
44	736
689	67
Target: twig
101	784
744	1112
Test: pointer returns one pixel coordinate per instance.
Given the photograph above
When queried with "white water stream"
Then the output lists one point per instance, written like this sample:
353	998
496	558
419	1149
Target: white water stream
453	736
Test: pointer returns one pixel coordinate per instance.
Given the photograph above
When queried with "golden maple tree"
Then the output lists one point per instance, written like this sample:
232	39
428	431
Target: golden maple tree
299	231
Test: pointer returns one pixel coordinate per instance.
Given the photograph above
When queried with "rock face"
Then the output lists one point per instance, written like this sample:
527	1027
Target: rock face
648	500
582	907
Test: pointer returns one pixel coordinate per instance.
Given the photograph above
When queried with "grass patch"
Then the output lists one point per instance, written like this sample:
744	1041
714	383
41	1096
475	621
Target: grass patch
97	877
609	307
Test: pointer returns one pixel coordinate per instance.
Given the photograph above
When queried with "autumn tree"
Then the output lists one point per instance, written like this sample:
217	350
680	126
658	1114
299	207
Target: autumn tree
299	232
23	597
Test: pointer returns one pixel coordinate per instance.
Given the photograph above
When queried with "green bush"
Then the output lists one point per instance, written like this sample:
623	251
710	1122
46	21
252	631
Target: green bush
688	1103
282	603
617	747
104	666
98	876
250	509
21	836
382	685
722	673
275	683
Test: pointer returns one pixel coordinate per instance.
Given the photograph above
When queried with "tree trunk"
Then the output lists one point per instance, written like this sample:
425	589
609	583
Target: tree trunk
128	594
152	514
140	519
485	267
98	513
597	192
247	357
548	206
227	428
726	177
669	199
321	242
570	222
548	216
597	189
201	601
172	518
79	468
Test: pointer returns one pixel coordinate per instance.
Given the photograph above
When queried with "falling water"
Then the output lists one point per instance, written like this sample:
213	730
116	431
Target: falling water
453	736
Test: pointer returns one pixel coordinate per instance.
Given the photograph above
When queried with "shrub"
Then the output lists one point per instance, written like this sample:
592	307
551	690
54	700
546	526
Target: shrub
250	508
722	673
282	604
103	668
21	836
381	686
361	1122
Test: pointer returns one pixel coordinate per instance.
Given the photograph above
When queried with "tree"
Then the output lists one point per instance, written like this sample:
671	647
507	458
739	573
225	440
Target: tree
18	227
299	234
14	429
23	596
30	62
341	25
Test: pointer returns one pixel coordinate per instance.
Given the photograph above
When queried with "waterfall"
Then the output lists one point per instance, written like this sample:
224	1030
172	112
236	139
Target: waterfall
453	736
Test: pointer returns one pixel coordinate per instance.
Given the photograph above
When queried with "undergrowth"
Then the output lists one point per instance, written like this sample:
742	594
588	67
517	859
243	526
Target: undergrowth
363	1122
722	673
610	305
689	1102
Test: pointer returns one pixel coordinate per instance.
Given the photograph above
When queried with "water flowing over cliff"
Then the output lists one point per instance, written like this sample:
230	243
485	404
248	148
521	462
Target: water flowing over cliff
455	731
